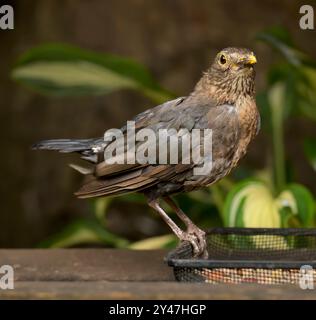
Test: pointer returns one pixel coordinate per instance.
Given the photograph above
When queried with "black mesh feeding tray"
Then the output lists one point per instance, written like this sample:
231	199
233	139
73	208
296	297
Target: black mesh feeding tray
246	255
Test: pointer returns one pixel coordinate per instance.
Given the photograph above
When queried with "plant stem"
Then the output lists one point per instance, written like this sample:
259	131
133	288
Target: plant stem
277	106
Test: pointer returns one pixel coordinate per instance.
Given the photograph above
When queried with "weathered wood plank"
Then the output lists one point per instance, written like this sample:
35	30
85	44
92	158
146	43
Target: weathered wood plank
150	290
118	274
87	265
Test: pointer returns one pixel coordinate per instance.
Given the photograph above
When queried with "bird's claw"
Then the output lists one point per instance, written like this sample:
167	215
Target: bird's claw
197	238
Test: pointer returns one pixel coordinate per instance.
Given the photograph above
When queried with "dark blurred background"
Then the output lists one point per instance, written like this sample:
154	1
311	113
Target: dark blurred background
175	39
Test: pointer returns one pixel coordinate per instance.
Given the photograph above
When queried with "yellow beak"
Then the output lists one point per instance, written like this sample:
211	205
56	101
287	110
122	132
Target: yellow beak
252	59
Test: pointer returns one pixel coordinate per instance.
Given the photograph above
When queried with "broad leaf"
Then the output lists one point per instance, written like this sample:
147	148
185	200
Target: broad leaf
310	152
160	242
64	70
280	40
304	203
297	70
251	204
83	232
100	207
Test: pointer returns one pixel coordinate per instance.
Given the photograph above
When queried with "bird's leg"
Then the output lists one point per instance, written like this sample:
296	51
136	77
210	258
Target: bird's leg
191	227
183	236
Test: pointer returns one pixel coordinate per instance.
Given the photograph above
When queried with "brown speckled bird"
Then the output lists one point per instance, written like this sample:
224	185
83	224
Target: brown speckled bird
223	100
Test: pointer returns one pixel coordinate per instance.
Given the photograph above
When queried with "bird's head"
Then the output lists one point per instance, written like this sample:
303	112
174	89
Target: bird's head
234	62
231	75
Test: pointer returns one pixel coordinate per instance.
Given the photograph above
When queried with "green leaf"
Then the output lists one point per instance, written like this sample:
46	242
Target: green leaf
251	204
278	33
100	206
307	92
310	152
297	71
281	41
276	98
260	209
305	204
64	70
160	242
83	232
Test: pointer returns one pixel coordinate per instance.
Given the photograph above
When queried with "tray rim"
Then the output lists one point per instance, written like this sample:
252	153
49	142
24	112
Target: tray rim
230	264
262	231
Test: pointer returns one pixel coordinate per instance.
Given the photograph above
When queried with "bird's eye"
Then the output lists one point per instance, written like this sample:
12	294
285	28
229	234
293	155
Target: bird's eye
222	59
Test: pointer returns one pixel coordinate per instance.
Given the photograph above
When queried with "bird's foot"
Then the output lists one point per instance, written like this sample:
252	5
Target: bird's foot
194	235
197	238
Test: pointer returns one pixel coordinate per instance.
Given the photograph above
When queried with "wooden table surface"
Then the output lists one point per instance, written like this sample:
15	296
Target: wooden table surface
118	274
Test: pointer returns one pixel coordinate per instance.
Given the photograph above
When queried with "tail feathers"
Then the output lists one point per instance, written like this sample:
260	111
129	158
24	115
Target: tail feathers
65	145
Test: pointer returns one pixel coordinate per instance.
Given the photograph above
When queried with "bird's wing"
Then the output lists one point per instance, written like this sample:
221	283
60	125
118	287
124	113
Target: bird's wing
159	117
224	122
114	179
93	152
110	178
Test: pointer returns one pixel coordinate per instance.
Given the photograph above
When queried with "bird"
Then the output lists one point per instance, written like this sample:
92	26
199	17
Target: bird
223	100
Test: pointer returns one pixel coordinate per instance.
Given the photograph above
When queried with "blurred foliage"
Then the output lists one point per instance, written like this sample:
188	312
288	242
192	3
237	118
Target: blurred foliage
84	231
254	199
64	70
310	151
252	204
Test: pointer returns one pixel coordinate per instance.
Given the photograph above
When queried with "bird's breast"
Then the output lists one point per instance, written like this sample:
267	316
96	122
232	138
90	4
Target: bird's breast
249	123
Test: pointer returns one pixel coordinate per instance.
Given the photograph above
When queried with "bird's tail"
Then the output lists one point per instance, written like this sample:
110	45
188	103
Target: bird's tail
65	145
